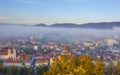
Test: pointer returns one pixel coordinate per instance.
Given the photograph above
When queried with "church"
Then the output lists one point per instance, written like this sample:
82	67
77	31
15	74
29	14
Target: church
8	53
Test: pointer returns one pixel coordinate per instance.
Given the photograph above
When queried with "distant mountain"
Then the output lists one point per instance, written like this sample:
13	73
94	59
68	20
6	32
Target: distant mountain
68	25
11	24
101	25
41	25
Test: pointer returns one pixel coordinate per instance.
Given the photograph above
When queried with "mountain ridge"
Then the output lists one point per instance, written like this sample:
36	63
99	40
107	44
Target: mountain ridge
100	25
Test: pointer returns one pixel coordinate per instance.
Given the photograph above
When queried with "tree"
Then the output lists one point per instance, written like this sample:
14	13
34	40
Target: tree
29	71
2	67
87	64
42	69
80	71
71	65
23	71
18	69
99	68
12	70
118	68
110	68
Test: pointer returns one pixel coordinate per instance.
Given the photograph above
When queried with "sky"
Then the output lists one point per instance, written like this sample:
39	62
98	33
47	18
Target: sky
59	11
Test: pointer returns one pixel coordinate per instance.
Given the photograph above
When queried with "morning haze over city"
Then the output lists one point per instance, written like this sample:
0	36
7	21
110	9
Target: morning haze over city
59	37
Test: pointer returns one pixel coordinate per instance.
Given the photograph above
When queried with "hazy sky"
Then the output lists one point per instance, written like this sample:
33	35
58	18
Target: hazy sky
59	11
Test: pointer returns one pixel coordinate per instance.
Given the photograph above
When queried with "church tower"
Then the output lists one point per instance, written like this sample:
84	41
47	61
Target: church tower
14	53
9	53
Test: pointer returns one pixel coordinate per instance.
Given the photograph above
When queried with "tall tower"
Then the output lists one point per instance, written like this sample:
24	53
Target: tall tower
14	53
9	53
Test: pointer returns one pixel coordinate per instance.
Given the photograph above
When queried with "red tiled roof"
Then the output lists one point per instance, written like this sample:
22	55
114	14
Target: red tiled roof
12	61
38	54
41	60
16	47
27	57
27	61
3	50
21	55
3	53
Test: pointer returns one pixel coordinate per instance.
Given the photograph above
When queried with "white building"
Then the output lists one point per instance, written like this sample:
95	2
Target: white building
35	47
111	42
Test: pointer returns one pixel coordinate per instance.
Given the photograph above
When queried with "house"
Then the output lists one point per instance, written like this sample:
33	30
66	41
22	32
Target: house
10	62
4	55
39	62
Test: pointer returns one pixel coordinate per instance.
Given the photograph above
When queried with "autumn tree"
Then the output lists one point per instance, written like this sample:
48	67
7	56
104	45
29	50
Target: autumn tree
99	68
29	71
86	64
42	69
2	67
110	68
118	68
12	70
71	65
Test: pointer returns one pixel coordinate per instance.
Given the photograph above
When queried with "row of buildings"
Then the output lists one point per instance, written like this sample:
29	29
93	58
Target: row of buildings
14	54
